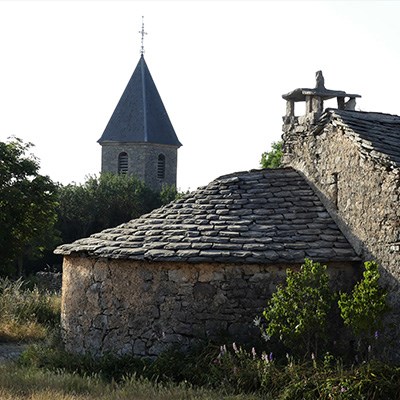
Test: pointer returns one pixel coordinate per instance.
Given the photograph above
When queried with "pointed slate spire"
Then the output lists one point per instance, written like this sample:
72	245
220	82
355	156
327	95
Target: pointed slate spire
140	115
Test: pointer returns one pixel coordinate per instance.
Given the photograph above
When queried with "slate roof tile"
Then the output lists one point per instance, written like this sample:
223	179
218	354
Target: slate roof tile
140	115
201	228
377	134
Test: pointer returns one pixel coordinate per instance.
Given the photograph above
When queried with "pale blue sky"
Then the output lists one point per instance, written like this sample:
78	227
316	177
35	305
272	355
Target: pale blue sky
220	67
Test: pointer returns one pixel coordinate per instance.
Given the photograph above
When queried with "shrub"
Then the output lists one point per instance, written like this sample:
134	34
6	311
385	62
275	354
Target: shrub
297	313
364	308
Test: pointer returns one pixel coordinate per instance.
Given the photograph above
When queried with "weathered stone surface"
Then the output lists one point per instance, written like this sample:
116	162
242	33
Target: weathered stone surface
360	187
142	308
353	161
259	211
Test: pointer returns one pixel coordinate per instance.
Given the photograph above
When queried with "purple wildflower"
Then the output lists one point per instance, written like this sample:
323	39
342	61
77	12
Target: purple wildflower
235	349
222	350
264	357
253	352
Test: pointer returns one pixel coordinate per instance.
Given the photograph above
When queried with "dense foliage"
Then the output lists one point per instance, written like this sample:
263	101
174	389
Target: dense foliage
272	158
298	312
102	202
364	308
36	214
303	313
28	203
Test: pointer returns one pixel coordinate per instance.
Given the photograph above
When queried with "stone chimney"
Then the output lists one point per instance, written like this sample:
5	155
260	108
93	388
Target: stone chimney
314	99
296	126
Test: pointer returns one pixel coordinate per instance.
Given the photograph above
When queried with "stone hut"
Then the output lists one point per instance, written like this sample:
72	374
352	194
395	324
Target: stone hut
201	267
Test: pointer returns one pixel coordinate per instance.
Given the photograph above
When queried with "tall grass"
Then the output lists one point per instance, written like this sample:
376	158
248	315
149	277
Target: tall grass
21	383
26	314
231	371
46	371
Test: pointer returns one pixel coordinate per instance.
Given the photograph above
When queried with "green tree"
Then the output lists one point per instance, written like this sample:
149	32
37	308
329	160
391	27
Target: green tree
297	312
272	158
27	206
105	201
364	308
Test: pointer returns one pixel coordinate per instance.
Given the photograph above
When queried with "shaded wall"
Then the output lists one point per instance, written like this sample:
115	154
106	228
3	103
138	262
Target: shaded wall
363	197
362	193
142	308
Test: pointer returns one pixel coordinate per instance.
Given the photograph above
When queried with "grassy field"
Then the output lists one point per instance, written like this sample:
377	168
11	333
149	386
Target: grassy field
26	313
29	383
46	372
31	316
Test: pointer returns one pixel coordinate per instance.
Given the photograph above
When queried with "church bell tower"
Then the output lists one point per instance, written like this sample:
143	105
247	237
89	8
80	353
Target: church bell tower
139	139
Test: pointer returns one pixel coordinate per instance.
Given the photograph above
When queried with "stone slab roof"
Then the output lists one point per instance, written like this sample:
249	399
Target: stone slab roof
140	115
261	216
377	134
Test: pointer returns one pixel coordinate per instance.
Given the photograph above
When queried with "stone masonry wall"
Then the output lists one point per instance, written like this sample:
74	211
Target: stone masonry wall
365	195
142	161
142	308
362	196
171	164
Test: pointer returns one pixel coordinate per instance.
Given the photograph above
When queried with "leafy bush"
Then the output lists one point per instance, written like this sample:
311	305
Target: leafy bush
297	313
272	158
305	314
363	310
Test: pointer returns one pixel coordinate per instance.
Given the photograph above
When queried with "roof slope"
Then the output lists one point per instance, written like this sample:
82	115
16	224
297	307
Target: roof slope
377	134
261	216
140	115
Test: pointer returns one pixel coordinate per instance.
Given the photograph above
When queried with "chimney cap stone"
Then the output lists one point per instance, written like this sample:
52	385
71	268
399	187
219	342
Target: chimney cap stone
301	94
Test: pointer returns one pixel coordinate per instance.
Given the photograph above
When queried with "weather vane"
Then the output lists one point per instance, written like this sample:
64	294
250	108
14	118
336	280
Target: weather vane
142	32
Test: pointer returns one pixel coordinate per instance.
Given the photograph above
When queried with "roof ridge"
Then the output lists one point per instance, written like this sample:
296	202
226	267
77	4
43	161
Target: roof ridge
144	98
338	111
254	170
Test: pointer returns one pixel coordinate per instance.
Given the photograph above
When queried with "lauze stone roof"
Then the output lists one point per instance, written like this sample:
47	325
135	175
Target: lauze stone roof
377	134
261	216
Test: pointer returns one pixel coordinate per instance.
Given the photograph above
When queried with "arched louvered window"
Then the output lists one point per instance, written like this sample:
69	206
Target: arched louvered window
161	166
123	163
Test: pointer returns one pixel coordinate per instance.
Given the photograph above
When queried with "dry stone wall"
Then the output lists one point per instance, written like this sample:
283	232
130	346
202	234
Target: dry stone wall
361	192
142	308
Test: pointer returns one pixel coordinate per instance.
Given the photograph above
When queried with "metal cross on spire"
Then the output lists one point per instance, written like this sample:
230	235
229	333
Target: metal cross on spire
142	32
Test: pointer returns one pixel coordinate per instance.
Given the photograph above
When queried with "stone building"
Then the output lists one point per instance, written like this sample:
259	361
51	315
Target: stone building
139	139
201	267
352	161
204	266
